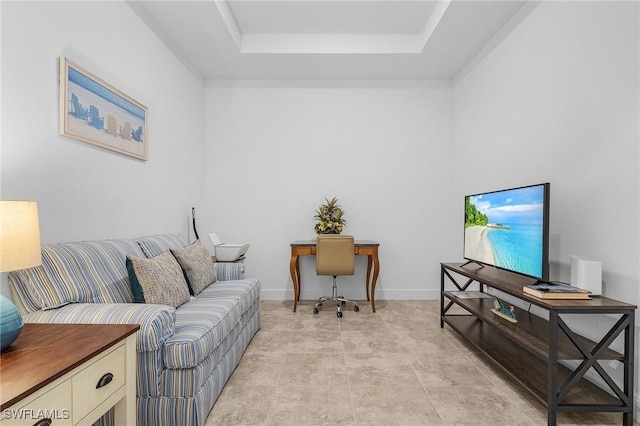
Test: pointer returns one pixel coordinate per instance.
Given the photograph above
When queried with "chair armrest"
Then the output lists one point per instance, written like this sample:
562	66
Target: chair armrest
226	271
156	321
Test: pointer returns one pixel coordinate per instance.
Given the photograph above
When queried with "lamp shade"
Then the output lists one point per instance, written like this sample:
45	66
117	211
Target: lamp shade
19	235
19	249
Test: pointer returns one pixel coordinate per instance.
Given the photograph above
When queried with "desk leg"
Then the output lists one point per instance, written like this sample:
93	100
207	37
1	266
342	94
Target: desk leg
299	277
376	271
294	270
369	262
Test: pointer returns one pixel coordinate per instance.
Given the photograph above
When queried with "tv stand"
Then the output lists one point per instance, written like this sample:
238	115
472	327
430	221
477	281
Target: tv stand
532	350
469	262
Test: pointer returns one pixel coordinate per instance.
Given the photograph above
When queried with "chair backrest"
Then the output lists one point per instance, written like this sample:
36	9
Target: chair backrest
334	255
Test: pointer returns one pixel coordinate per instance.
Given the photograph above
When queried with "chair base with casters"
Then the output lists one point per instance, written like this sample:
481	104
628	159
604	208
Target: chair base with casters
339	301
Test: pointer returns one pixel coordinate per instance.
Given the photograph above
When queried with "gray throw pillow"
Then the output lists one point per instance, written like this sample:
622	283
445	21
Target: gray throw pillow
157	280
197	265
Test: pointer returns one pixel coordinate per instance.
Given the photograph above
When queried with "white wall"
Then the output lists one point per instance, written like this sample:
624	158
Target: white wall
557	101
84	192
276	149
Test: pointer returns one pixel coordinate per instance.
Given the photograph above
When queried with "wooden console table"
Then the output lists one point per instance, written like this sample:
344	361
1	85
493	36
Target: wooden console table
362	247
69	374
531	351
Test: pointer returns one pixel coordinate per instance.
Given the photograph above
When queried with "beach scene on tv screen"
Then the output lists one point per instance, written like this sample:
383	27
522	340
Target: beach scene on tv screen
505	229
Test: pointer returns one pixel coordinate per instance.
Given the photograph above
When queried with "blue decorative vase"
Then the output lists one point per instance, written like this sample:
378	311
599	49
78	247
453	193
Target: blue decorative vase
10	323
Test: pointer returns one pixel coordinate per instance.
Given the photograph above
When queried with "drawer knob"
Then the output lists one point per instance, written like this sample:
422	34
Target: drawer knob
104	380
43	422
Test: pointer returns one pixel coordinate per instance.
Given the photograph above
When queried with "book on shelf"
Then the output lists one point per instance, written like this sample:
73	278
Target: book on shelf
556	291
471	295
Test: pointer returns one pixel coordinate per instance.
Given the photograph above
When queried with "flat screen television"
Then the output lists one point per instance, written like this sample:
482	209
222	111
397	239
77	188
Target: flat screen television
509	229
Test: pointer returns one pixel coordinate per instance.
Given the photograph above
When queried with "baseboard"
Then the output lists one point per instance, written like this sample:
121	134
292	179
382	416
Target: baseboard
408	294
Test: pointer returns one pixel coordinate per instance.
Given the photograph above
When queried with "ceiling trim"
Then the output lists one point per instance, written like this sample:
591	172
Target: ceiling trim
442	43
157	29
325	43
230	22
506	30
328	84
331	43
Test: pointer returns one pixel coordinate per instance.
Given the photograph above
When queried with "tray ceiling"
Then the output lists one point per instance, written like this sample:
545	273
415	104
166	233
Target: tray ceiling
329	39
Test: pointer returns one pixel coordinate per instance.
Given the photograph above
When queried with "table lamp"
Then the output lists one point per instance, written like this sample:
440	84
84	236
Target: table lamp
19	249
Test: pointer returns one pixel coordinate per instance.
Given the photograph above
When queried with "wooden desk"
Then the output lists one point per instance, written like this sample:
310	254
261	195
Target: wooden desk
308	248
70	373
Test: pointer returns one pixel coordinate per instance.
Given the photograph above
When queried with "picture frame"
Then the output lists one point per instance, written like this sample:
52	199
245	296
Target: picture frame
93	111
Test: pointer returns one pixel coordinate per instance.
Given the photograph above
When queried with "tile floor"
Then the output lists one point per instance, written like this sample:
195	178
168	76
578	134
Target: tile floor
394	367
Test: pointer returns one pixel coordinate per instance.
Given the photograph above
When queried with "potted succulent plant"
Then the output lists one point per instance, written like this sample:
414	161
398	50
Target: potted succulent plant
330	218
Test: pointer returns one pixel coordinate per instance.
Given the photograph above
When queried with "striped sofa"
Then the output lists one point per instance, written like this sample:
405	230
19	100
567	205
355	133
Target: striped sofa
185	355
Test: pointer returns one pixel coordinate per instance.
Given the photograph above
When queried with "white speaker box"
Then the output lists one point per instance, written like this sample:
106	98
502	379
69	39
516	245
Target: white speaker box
586	274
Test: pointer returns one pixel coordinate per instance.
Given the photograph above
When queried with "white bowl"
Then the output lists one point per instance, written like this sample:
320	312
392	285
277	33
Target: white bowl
229	252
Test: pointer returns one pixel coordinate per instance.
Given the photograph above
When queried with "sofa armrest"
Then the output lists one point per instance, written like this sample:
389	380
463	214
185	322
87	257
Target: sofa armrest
156	321
229	271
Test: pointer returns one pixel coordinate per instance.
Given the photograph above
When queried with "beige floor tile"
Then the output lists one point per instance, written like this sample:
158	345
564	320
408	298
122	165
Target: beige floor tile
269	341
305	307
393	405
379	369
279	307
425	341
394	367
271	321
405	322
453	369
320	323
370	342
311	405
259	369
358	321
242	405
316	342
314	369
475	406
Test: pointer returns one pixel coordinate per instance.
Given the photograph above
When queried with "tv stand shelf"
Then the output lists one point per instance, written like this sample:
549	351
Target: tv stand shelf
530	350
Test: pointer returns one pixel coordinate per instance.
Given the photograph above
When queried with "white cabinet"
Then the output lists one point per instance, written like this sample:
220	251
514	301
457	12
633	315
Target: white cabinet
68	374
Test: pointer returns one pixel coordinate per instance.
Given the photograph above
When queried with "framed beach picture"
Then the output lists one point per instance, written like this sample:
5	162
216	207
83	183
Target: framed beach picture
97	113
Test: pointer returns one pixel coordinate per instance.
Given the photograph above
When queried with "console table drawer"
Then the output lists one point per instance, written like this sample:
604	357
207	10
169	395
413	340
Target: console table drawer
38	383
55	405
98	381
305	251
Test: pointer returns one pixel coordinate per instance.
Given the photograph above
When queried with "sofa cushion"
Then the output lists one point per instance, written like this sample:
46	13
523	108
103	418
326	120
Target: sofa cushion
89	271
157	280
246	290
185	382
22	297
156	321
200	326
157	244
197	265
229	271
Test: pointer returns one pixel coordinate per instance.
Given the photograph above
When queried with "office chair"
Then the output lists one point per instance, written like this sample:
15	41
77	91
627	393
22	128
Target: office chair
334	256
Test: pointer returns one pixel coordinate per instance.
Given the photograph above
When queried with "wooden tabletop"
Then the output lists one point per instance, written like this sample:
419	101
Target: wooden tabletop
512	283
44	352
357	243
